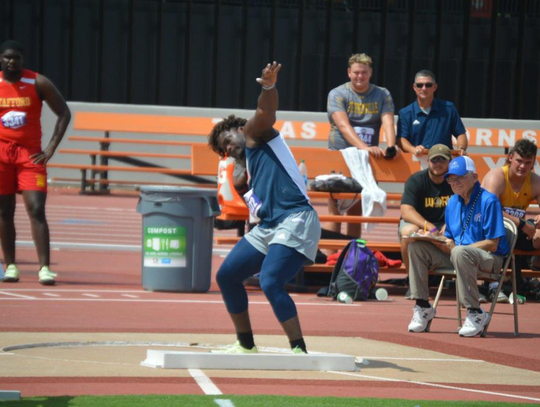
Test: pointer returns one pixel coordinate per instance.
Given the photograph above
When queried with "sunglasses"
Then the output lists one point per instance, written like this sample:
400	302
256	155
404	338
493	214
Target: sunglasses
421	85
456	179
438	160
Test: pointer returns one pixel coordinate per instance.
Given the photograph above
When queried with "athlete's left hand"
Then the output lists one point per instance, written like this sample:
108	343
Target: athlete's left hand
269	75
42	157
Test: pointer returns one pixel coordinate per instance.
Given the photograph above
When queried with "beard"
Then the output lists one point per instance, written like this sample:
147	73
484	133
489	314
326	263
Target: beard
11	75
435	174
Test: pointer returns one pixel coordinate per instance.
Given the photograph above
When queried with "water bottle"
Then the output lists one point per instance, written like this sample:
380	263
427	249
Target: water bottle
303	170
344	298
381	294
520	299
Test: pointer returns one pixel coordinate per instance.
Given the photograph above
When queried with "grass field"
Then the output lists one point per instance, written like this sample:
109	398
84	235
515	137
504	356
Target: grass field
236	401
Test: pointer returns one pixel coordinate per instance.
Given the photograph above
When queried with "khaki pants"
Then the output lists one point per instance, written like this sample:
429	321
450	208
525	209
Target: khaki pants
466	260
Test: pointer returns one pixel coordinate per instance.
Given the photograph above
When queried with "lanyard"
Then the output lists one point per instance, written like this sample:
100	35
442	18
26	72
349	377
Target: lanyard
469	218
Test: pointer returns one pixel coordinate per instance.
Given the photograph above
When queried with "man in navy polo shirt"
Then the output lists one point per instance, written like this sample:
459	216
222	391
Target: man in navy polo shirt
429	121
475	241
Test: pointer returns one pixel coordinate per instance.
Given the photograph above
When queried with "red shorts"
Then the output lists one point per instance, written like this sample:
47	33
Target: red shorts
18	172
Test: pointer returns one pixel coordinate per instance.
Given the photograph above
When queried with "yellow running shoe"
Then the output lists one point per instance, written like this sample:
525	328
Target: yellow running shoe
236	348
298	351
46	276
12	274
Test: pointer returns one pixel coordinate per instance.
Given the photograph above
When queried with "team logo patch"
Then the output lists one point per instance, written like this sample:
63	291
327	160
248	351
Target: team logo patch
478	217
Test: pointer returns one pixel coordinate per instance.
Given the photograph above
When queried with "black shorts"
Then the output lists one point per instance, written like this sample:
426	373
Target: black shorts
523	243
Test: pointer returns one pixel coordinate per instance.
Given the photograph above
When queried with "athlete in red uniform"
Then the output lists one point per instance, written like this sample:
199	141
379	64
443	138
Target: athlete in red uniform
22	161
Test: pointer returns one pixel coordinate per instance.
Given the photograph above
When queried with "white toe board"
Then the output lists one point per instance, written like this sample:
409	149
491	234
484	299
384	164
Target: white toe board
166	359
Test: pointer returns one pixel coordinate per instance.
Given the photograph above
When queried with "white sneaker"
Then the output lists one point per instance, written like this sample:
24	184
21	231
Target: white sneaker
474	323
237	349
421	320
501	299
12	274
46	276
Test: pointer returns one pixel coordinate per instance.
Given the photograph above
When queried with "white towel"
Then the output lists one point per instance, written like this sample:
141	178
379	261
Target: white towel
373	197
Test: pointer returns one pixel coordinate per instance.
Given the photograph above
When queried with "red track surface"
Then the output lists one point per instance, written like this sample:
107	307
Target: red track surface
113	271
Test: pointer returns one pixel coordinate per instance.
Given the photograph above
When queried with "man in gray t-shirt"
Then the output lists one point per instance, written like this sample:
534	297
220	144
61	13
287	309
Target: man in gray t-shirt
356	111
364	112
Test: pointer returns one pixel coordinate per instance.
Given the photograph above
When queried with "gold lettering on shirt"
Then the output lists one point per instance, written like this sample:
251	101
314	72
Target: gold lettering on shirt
363	108
438	202
15	102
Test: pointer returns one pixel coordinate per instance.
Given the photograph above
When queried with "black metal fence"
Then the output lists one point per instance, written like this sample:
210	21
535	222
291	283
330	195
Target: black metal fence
207	53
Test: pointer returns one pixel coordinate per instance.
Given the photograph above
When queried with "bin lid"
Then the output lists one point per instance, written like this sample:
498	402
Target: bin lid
158	193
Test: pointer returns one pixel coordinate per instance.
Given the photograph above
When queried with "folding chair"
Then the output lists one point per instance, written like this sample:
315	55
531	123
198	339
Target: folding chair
511	236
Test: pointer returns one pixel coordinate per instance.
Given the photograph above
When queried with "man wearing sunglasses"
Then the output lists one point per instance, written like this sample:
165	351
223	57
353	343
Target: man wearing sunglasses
429	121
425	197
475	241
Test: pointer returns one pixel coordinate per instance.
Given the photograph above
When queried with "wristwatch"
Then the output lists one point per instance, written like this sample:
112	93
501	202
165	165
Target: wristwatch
521	224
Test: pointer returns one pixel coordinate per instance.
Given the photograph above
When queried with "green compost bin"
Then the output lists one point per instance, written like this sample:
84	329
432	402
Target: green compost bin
177	237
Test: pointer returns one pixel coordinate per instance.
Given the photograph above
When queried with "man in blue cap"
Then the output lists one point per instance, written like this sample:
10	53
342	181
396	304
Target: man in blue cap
475	241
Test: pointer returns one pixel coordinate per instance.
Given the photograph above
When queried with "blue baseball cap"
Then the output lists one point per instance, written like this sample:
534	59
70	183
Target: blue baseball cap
460	166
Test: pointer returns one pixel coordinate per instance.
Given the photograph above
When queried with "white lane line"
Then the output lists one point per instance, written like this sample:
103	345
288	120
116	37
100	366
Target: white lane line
113	300
89	234
70	216
421	359
101	241
92	362
18	296
441	386
97	246
84	208
90	225
91	295
224	402
51	295
108	246
38	290
129	295
204	382
158	301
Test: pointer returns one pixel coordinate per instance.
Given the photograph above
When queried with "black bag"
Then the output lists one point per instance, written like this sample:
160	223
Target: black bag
341	184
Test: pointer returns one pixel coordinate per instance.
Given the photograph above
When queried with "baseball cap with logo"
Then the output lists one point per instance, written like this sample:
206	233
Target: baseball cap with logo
439	150
460	166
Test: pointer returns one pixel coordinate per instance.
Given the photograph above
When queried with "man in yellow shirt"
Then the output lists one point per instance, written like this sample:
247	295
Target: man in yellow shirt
517	185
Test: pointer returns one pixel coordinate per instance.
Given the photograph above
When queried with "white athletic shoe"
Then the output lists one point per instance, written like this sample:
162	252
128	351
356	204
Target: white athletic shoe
46	276
421	320
12	274
236	349
474	323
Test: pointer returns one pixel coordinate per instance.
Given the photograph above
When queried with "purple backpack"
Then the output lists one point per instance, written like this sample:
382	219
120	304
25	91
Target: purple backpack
356	272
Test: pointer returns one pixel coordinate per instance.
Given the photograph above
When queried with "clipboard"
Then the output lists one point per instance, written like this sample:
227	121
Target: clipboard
425	238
